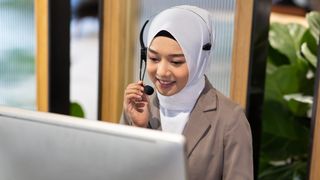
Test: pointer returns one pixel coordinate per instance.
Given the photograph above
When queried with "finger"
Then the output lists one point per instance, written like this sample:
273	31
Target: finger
140	105
139	83
133	91
135	86
145	97
133	98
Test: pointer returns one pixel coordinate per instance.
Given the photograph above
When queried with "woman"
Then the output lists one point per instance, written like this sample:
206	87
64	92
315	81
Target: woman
217	132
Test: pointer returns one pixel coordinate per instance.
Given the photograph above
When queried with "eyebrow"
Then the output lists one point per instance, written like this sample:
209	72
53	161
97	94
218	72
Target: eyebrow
170	55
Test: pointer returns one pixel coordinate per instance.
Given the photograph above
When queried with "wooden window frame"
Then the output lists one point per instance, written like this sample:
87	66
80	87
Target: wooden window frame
53	55
314	160
119	22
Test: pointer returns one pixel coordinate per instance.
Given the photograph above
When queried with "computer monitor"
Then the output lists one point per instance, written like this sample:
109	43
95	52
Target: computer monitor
45	146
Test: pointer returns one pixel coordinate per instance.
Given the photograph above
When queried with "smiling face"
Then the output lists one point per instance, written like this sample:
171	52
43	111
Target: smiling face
167	66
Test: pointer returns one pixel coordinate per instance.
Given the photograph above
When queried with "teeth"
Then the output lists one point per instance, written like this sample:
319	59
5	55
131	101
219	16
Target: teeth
164	82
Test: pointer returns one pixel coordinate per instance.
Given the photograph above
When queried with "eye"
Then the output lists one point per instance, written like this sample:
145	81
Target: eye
153	59
177	62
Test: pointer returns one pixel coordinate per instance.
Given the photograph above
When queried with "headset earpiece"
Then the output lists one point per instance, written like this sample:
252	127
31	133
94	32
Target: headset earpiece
206	47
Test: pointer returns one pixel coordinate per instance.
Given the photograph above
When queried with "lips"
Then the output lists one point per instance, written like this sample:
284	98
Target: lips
164	84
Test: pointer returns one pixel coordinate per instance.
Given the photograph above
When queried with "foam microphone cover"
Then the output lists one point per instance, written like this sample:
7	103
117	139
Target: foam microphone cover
148	90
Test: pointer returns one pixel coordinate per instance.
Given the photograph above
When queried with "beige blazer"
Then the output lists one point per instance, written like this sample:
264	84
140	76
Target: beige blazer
218	136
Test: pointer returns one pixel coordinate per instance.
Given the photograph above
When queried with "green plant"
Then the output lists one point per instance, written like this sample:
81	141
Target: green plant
291	67
76	110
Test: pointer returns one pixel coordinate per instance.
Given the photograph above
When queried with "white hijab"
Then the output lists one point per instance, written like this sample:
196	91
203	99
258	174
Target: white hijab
191	27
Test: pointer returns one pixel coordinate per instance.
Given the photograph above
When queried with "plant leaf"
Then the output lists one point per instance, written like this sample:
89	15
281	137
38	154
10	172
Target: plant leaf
298	104
313	19
76	110
276	148
278	121
285	80
287	39
311	41
276	58
295	170
309	56
298	108
277	118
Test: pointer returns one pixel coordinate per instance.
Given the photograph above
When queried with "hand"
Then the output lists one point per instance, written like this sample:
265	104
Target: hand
136	104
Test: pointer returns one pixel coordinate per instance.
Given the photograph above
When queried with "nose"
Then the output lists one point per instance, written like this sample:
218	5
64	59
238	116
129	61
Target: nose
162	69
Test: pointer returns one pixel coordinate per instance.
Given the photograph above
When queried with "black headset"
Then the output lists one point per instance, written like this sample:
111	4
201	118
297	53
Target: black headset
143	52
143	59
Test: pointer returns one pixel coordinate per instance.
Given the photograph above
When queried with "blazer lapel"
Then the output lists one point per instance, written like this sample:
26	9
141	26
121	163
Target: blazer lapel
155	122
199	123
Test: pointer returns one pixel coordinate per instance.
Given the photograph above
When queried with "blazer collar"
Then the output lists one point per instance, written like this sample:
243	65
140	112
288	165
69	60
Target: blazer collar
155	122
199	123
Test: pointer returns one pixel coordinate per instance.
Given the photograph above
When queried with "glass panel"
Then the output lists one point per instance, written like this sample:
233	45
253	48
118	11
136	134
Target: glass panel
219	71
85	56
17	54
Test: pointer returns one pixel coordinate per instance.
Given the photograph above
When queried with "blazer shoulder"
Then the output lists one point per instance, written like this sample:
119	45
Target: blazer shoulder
212	99
226	104
230	112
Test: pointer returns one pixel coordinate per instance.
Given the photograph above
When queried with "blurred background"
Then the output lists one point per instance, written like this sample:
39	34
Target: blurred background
17	54
84	53
289	77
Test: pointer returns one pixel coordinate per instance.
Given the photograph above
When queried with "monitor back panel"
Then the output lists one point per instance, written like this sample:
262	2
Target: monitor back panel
41	146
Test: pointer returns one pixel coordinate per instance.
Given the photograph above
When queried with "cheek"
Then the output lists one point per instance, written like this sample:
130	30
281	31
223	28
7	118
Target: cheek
151	70
183	75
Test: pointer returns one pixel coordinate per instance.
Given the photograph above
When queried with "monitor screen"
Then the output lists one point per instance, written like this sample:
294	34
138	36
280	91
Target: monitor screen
46	146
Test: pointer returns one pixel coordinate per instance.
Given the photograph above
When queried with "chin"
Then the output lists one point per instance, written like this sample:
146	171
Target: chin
166	93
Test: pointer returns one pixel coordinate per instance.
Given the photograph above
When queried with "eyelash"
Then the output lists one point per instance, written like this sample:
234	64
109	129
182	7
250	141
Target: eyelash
177	62
155	59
